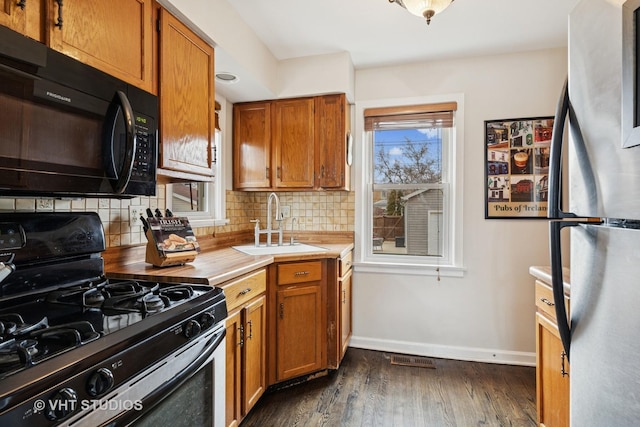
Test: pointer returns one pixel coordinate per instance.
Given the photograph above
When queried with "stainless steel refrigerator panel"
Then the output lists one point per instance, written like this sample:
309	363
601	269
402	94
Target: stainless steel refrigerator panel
604	177
605	344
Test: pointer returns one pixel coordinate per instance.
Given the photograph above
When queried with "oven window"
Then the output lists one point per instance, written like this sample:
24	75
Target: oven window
188	406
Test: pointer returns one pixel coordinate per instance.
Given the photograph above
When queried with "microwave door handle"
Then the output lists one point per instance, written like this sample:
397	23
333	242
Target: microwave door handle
120	102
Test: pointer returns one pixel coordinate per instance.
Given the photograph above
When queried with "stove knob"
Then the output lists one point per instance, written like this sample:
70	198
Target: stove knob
192	328
100	382
61	404
207	320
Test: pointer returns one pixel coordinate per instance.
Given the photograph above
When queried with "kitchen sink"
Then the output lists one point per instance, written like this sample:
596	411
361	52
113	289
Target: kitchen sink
276	250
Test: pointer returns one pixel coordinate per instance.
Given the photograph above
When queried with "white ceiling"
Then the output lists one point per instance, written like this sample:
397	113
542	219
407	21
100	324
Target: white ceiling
379	33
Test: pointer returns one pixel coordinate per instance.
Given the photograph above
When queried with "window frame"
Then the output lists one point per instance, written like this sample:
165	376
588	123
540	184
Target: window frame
366	259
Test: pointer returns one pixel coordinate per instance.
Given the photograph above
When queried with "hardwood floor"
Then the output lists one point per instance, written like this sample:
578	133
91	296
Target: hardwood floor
368	390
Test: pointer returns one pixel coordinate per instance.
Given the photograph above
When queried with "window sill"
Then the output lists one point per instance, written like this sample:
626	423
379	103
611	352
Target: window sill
196	222
409	269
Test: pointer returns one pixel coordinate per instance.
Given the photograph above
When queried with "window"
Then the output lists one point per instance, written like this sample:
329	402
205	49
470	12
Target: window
411	175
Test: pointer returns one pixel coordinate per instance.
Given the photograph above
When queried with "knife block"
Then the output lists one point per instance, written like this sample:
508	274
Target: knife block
160	258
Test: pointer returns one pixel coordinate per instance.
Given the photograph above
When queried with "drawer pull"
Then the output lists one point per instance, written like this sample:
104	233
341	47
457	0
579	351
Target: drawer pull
250	322
241	329
301	273
546	301
244	292
563	356
282	310
344	296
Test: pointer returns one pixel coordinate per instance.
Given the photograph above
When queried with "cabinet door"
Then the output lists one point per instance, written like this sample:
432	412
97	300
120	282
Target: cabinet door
114	36
252	145
332	120
293	143
552	386
233	368
299	331
254	356
187	104
25	17
345	311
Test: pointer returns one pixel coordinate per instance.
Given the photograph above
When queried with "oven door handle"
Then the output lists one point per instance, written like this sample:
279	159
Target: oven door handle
158	395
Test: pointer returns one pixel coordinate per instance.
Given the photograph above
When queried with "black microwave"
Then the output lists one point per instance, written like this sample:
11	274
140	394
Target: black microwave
70	130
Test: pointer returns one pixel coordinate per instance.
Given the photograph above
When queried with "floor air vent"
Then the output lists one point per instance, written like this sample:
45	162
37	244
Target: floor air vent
415	361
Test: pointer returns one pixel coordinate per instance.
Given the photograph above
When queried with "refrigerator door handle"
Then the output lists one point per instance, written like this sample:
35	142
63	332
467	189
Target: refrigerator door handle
557	281
555	159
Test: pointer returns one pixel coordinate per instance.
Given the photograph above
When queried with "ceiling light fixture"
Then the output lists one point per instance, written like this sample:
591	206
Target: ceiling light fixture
424	8
226	77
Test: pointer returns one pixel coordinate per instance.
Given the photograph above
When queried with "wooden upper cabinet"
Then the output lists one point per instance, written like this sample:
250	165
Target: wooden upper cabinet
25	17
114	36
293	143
252	145
187	99
332	142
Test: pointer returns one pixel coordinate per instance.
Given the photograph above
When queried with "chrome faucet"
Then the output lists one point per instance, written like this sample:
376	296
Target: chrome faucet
268	231
272	197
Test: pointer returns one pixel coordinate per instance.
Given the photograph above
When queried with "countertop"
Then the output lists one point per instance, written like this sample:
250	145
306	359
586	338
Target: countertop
216	266
543	273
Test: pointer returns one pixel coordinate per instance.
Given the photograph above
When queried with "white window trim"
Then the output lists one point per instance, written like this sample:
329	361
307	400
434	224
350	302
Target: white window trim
365	258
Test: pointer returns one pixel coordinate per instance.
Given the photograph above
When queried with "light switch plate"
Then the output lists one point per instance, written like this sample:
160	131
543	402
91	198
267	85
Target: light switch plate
285	211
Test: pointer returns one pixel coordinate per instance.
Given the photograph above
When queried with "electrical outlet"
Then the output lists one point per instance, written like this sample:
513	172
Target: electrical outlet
134	215
285	211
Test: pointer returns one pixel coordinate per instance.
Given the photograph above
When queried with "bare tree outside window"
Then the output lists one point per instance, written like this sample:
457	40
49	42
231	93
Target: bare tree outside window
407	163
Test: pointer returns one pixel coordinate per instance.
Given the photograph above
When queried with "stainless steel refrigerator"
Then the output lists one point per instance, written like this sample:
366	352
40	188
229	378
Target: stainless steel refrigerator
602	107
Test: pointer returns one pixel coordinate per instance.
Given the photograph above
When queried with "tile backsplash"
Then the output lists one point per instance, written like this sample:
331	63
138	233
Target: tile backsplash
315	211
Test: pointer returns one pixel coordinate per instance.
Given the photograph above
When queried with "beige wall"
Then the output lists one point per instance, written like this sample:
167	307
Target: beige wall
489	313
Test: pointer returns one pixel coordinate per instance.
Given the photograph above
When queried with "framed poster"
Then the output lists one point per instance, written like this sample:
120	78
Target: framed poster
517	167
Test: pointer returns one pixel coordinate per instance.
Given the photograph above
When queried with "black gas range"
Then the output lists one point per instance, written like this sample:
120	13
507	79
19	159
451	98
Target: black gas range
72	340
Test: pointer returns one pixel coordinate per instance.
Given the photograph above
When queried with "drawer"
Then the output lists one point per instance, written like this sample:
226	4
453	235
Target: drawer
299	272
345	264
544	300
244	289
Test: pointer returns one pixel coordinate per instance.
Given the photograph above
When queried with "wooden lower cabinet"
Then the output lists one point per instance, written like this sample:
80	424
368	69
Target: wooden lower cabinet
552	367
246	345
345	312
298	338
339	306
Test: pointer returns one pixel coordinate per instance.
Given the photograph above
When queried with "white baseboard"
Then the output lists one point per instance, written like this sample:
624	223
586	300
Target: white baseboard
446	352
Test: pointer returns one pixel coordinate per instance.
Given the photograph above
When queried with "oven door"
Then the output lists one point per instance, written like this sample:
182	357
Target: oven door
185	389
